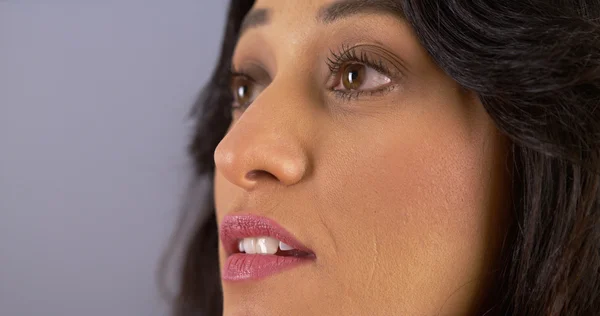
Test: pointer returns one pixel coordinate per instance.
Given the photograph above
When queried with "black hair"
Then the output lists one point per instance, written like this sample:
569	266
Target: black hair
535	66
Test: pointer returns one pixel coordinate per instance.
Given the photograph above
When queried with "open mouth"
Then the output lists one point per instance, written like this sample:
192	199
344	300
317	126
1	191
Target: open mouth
269	246
257	247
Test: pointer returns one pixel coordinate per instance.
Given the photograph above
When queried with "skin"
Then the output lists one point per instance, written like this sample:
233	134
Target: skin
400	194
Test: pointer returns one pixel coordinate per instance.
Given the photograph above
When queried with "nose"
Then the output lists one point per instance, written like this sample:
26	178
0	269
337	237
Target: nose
263	145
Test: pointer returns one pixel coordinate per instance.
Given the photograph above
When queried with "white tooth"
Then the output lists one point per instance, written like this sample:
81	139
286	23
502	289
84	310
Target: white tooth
249	245
241	246
266	245
285	247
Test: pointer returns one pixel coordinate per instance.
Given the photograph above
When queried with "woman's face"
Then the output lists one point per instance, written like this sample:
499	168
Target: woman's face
359	146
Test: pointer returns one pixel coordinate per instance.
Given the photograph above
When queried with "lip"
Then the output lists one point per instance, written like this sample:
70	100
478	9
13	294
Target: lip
240	266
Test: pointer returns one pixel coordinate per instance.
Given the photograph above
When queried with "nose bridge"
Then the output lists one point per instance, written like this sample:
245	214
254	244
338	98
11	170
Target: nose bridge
268	141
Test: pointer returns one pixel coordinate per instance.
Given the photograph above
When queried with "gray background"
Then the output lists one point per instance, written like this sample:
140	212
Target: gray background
93	103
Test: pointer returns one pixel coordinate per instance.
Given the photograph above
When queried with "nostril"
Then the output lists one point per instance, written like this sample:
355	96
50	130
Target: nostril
257	174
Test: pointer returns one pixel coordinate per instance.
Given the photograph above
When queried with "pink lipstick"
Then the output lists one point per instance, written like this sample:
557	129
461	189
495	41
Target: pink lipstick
257	247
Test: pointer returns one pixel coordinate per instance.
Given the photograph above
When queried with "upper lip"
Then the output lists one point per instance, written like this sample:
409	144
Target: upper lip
237	227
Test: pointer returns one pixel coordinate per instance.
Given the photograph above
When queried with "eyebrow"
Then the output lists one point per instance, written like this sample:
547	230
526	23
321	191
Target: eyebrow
343	9
330	13
255	18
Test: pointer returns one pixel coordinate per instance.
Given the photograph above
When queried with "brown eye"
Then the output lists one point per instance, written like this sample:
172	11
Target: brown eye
356	76
243	91
353	76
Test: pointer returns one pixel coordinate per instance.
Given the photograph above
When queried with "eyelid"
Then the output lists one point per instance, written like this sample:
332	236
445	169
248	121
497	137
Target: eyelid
253	71
234	74
370	55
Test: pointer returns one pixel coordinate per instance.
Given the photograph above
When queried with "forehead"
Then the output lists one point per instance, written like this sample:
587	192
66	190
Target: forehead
297	26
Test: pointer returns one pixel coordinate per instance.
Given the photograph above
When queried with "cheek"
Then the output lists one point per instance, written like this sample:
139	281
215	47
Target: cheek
416	206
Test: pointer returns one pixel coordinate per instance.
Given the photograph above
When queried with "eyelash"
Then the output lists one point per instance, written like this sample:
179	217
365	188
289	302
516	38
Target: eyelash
335	62
348	55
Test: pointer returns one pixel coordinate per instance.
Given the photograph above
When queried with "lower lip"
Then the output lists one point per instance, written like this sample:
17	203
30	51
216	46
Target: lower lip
244	267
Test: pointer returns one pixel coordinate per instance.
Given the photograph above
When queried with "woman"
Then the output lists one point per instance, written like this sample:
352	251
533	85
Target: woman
400	157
